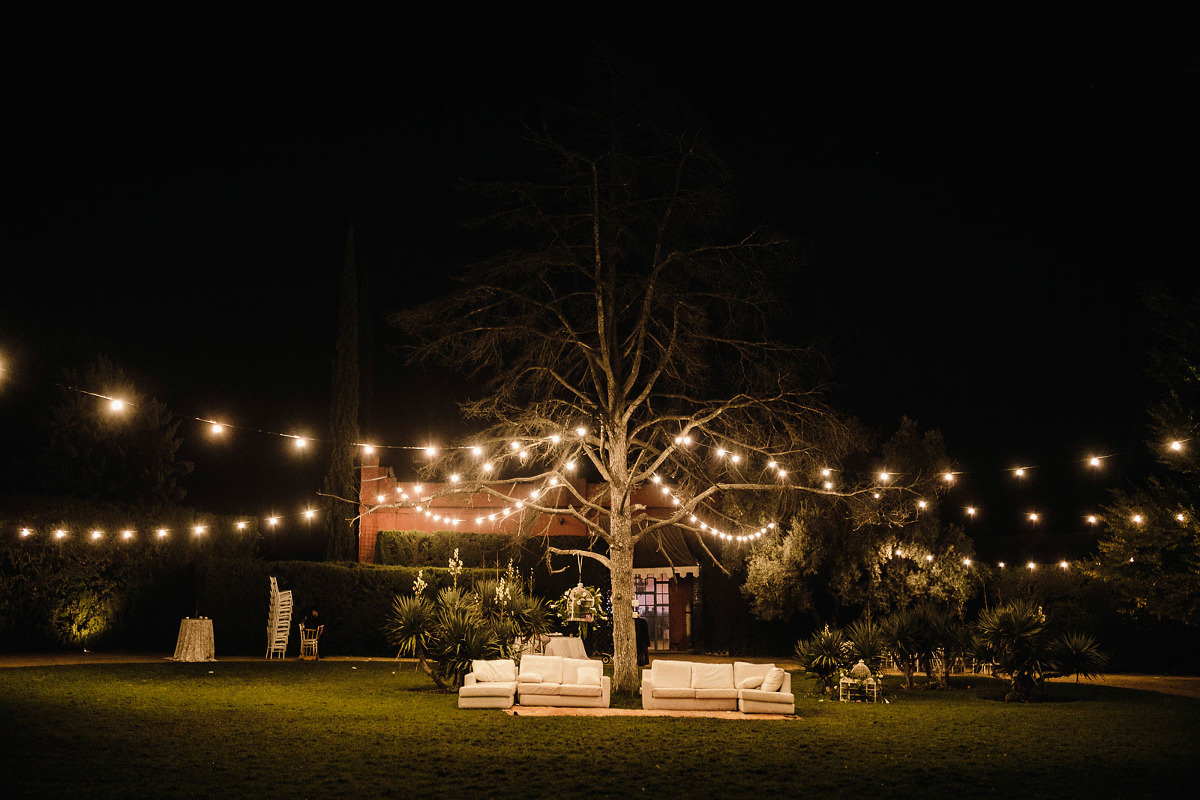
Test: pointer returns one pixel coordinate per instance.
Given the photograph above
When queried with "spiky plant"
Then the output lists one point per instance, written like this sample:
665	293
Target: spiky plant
866	637
1016	635
1079	654
824	654
410	627
902	635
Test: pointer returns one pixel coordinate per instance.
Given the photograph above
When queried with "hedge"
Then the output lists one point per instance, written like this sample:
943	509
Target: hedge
79	592
354	601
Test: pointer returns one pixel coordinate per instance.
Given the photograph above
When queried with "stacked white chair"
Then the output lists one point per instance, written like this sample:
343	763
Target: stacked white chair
279	620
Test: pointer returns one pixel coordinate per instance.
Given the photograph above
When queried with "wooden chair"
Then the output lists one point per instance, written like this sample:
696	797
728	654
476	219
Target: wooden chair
308	642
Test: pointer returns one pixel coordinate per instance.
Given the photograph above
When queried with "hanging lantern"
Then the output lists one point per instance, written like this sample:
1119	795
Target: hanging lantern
581	605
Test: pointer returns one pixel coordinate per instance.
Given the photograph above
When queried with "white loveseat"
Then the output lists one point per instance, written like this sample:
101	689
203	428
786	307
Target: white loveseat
695	686
560	681
489	684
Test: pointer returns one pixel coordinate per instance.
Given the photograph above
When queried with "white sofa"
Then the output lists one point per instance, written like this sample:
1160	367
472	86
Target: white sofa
489	684
561	681
695	686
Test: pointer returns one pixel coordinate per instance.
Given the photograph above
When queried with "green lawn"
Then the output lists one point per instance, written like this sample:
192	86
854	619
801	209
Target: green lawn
332	729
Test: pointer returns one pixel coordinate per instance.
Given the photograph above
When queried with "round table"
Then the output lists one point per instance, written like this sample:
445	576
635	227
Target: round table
195	641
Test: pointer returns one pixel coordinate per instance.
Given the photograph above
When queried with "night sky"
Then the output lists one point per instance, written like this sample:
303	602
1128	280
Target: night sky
978	214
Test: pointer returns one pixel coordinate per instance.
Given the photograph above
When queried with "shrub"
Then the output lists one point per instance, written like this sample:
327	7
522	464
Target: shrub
824	654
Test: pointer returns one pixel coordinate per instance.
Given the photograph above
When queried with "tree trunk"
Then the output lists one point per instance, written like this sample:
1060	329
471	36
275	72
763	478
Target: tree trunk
620	553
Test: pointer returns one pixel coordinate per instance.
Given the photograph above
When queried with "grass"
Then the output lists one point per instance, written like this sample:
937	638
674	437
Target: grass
289	729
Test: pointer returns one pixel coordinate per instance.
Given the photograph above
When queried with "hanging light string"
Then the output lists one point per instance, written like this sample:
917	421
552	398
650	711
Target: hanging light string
731	454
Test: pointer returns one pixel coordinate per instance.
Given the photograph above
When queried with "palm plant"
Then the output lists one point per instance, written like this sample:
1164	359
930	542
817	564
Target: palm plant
902	635
866	638
824	654
1016	635
445	635
1079	654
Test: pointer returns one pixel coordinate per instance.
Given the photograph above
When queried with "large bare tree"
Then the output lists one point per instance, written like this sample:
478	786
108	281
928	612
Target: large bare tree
625	335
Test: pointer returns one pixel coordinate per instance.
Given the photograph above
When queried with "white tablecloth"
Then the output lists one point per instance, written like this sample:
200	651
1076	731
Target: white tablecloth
195	641
567	646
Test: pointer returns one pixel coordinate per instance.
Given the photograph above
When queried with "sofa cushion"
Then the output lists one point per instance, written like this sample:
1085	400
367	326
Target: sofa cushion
767	697
744	669
571	667
712	676
489	689
588	676
539	688
774	680
676	691
504	669
579	690
752	682
666	674
529	677
716	694
549	667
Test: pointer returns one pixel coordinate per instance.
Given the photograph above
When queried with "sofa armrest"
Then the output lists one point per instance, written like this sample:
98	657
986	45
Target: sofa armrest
469	679
786	688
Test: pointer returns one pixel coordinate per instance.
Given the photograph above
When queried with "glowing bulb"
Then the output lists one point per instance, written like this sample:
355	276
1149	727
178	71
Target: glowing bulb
162	533
1137	518
309	513
431	451
929	558
199	529
454	478
571	465
883	477
554	481
514	445
825	473
1001	565
720	452
828	485
1094	461
96	534
581	431
1091	519
555	439
519	504
948	477
116	405
479	520
524	454
1177	446
368	450
25	532
656	479
217	428
971	511
770	465
487	467
127	534
877	495
379	498
241	526
301	443
921	504
417	488
1033	517
1019	472
783	473
1179	517
272	521
1031	565
966	562
1063	564
666	491
687	440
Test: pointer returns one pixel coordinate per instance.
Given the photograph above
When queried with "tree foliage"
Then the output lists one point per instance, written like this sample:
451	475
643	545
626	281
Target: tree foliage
94	452
879	553
1150	554
341	484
